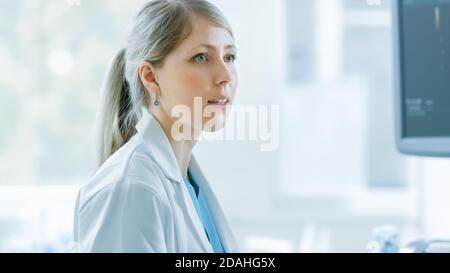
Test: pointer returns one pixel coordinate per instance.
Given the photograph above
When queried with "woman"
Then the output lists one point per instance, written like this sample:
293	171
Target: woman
149	194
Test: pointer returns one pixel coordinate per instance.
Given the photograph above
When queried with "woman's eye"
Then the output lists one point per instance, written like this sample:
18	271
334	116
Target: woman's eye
200	58
230	58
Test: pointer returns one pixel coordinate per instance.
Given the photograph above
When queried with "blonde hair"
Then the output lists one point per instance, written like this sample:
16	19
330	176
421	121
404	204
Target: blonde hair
159	27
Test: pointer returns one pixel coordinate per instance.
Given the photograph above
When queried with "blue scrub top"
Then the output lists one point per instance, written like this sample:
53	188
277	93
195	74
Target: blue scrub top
204	213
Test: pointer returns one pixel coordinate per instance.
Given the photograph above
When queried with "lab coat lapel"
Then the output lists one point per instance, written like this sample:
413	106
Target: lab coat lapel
222	226
194	220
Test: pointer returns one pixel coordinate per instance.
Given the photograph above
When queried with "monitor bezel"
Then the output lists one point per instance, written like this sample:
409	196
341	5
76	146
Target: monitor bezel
420	146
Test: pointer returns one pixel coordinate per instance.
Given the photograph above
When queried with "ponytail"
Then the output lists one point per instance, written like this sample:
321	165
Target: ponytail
117	119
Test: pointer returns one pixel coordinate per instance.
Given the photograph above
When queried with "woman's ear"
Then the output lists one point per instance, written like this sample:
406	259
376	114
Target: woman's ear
148	78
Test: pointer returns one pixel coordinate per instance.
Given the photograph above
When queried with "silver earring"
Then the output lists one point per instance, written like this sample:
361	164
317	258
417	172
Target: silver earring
156	102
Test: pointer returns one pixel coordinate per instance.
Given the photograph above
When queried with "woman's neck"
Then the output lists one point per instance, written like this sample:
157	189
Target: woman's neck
183	152
182	149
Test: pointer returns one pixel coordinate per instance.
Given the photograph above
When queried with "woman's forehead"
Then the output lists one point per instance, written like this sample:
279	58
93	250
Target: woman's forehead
207	34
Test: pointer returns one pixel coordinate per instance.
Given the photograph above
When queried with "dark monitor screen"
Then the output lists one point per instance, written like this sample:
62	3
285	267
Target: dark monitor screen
424	30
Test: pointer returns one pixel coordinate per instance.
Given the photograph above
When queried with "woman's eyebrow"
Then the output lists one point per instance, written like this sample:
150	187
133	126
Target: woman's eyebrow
230	46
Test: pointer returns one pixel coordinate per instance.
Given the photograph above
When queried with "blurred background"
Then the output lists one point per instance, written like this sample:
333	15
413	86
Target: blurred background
327	63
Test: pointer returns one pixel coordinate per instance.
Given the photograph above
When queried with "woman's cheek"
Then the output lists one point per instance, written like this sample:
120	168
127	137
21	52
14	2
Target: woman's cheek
193	85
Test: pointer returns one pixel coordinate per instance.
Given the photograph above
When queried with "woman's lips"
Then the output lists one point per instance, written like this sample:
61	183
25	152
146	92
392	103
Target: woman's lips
220	102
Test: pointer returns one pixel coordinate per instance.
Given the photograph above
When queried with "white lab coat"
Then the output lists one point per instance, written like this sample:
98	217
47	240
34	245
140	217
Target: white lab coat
137	201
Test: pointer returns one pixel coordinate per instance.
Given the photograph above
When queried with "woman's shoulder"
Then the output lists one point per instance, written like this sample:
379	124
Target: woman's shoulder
131	166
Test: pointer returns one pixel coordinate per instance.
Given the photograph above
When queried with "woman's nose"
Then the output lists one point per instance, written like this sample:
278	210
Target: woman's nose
224	74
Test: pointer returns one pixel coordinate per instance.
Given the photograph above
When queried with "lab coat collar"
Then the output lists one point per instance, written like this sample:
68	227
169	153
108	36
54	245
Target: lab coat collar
156	141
